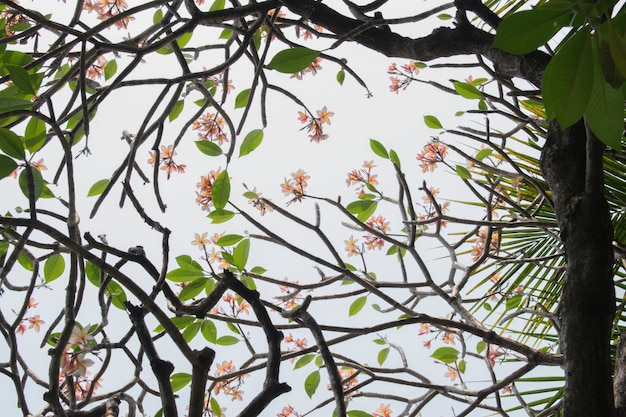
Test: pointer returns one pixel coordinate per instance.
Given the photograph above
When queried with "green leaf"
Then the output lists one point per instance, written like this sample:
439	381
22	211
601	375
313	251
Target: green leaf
209	331
293	60
525	31
242	98
341	76
220	216
158	15
393	157
362	209
98	187
228	240
208	147
110	69
184	275
248	281
34	134
227	340
568	79
513	302
176	110
7	166
382	355
251	142
258	270
446	354
215	407
192	289
432	122
357	305
21	78
191	331
186	262
179	381
605	111
461	366
311	383
10	104
217	5
221	190
379	149
25	261
444	16
117	294
11	144
53	268
184	39
467	90
240	254
483	153
37	182
463	172
226	34
481	346
304	360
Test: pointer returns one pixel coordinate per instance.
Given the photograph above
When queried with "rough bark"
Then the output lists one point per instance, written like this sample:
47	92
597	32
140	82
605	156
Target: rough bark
572	164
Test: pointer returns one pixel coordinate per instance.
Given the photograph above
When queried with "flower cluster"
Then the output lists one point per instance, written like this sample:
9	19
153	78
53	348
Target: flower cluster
34	322
403	76
211	127
383	411
254	198
74	363
433	153
204	194
295	186
379	224
295	344
215	256
230	387
166	160
38	165
362	177
236	305
106	9
291	297
12	18
288	411
348	378
353	247
315	125
478	249
313	68
429	206
96	70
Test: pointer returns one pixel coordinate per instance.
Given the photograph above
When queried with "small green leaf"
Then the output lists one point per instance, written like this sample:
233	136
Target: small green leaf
21	78
53	268
221	190
184	275
251	142
311	383
110	69
378	148
240	254
208	147
217	5
226	34
227	340
176	110
186	262
463	172
461	366
117	294
432	122
7	166
215	407
9	104
358	413
258	270
362	209
481	346
220	216
292	60
242	98
357	305
11	144
228	240
209	331
483	153
38	183
304	360
191	331
179	381
192	289
341	76
513	302
380	341
446	354
393	157
98	187
382	355
35	134
467	90
184	39
158	15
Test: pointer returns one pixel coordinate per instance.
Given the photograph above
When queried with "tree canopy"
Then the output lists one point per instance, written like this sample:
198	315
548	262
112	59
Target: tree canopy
497	291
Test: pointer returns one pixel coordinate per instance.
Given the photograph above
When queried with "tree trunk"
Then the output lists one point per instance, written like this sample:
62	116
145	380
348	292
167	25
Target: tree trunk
571	162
